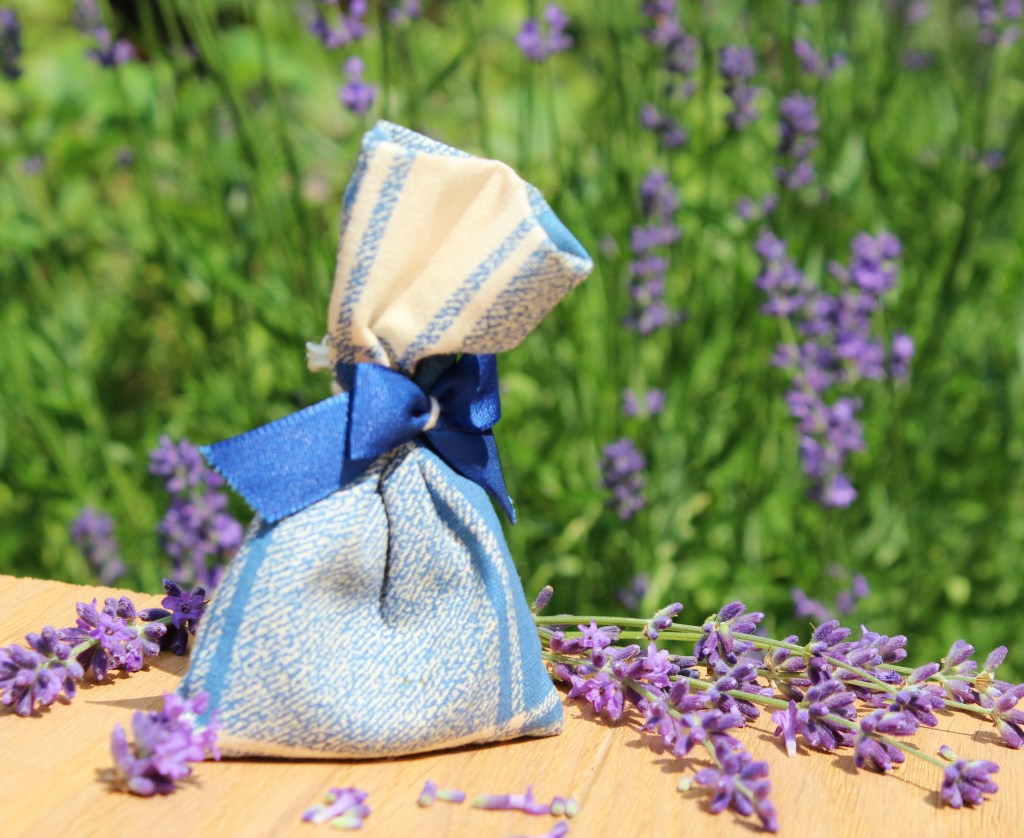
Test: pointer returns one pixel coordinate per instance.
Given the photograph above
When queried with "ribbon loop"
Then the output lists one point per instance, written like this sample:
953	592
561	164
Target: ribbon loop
289	464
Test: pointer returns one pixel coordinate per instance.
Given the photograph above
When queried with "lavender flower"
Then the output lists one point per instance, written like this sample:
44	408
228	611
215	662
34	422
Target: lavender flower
804	606
813	64
109	51
165	741
825	702
717	642
602	691
538	40
349	29
356	95
679	49
622	468
431	793
197	531
118	640
659	201
632	595
741	784
871	751
404	11
837	351
93	533
968	782
10	44
666	128
342	808
997	21
39	674
737	66
650	403
799	129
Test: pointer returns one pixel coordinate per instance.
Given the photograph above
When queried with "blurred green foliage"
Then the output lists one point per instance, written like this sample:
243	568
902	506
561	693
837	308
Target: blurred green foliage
167	232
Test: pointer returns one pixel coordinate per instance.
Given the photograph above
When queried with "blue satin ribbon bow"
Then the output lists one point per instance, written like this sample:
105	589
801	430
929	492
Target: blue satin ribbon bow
292	463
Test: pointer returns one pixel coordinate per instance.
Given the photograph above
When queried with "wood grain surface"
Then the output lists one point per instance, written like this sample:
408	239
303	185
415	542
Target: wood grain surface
51	784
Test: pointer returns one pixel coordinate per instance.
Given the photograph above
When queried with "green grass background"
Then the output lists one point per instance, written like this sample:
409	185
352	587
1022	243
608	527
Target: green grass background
174	294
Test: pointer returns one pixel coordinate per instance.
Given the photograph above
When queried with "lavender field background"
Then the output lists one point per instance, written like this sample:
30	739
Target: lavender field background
794	377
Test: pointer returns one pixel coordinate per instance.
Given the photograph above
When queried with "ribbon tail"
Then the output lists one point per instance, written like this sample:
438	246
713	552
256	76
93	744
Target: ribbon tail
289	464
475	456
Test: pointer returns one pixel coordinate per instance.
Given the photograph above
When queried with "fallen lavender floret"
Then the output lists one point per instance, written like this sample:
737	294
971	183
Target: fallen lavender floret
559	830
521	802
115	636
432	793
165	741
342	808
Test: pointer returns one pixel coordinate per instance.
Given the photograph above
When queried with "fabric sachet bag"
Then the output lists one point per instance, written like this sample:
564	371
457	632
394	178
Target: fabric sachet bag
373	608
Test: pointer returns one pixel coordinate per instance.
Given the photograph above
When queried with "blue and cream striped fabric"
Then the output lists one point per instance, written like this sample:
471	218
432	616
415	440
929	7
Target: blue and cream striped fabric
388	618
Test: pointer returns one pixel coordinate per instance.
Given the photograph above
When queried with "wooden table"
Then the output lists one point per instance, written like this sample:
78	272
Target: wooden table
50	784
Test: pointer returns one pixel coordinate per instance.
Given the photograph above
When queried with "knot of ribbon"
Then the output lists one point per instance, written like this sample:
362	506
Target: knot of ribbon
290	464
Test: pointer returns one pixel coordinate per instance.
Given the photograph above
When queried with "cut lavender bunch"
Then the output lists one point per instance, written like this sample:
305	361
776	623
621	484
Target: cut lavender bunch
834	691
115	636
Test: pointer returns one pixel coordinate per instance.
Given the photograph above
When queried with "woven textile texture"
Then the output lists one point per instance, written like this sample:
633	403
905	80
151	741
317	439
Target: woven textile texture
387	618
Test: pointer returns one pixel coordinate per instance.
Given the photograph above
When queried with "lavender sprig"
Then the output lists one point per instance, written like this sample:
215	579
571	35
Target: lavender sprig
814	691
115	636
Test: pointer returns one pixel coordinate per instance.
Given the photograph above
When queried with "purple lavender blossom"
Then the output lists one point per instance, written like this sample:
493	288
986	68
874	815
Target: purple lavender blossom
873	752
633	594
165	741
120	642
37	675
968	782
538	40
717	642
602	691
622	468
813	64
659	201
356	95
197	531
997	21
737	66
805	606
650	403
679	49
799	129
666	128
10	44
349	29
109	51
826	701
93	533
404	11
741	784
838	350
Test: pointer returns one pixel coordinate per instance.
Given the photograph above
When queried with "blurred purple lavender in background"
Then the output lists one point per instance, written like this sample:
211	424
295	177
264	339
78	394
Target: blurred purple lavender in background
835	350
404	11
679	49
356	95
538	40
650	403
667	129
10	44
632	596
997	21
814	64
93	533
659	201
349	29
798	139
197	531
108	51
622	468
737	66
